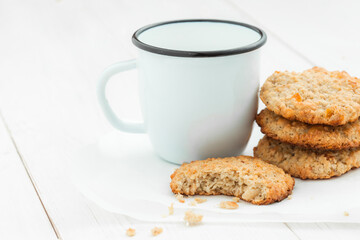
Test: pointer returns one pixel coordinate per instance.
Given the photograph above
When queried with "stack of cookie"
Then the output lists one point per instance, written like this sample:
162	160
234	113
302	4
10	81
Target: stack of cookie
311	123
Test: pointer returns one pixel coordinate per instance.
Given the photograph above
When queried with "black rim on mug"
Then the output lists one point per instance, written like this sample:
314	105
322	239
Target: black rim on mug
217	53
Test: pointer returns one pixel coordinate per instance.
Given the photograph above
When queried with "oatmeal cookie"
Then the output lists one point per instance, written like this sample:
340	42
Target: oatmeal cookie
248	178
315	96
307	163
309	136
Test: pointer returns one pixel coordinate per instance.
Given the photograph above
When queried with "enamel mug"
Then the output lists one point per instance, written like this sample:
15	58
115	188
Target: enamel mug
198	81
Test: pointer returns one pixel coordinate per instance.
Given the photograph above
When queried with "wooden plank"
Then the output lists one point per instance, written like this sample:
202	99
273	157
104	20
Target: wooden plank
325	32
344	231
326	231
47	110
22	214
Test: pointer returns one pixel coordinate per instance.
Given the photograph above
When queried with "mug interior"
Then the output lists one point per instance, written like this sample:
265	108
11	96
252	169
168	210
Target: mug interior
199	37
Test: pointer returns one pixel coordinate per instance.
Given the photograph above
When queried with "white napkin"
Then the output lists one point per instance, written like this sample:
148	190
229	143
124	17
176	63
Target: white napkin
123	175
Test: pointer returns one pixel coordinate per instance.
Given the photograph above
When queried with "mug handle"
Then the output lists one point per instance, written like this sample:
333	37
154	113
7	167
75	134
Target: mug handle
104	104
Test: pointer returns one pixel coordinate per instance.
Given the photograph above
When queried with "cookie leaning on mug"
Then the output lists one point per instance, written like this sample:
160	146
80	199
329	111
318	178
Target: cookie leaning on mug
248	178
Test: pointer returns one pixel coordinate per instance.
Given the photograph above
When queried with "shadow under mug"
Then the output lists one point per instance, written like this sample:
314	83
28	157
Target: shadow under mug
198	82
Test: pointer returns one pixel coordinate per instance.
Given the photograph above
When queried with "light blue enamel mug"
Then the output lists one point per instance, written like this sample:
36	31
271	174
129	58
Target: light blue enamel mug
198	81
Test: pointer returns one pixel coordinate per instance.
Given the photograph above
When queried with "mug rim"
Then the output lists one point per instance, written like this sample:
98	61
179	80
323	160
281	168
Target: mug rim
191	54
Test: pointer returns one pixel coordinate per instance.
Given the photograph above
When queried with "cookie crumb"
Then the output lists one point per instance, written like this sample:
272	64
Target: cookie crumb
289	197
346	214
130	232
236	199
229	205
171	209
164	215
180	198
192	219
200	200
192	203
156	231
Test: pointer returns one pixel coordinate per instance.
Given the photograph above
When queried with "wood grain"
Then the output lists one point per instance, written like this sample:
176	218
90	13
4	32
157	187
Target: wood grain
22	215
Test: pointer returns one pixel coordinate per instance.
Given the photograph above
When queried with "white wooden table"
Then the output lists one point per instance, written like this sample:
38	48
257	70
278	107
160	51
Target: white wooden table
51	53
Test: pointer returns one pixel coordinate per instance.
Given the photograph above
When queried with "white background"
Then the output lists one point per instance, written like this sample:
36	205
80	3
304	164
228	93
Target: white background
51	53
